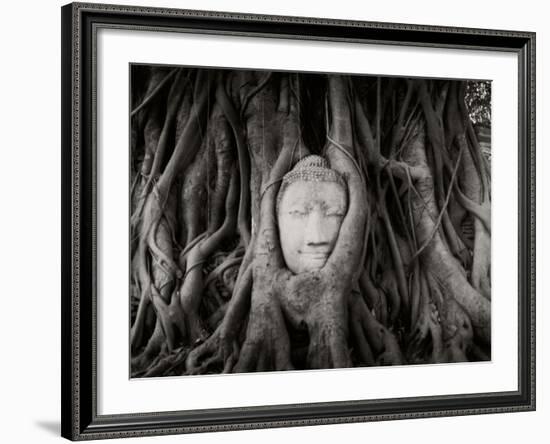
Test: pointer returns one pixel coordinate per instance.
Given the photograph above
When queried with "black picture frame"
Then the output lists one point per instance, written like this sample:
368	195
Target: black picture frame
79	396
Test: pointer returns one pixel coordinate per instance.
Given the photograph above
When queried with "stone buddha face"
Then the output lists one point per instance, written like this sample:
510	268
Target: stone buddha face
311	205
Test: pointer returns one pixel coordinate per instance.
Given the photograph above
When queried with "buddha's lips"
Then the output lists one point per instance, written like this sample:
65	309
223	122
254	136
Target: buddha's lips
315	254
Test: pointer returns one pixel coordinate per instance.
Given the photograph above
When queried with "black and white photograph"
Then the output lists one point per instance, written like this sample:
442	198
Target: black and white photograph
275	222
304	220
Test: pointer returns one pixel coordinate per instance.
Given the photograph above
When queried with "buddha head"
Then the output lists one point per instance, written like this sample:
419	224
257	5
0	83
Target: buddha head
311	206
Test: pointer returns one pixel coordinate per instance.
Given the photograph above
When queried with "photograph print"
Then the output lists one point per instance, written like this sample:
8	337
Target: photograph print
300	221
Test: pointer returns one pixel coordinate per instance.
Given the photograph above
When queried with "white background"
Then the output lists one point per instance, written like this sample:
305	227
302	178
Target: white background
30	228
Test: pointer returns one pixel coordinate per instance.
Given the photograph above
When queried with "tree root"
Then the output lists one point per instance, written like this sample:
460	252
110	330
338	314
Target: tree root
221	347
383	346
154	90
375	297
267	344
425	342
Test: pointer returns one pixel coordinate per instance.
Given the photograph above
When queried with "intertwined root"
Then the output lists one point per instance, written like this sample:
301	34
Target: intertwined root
409	278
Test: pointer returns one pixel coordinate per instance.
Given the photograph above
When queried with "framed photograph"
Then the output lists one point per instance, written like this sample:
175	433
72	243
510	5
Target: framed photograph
278	221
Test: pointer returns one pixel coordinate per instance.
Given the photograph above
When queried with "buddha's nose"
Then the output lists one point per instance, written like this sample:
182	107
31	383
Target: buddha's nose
315	233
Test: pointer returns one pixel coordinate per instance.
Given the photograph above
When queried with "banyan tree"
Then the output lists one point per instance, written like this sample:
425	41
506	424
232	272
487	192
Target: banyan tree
299	220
